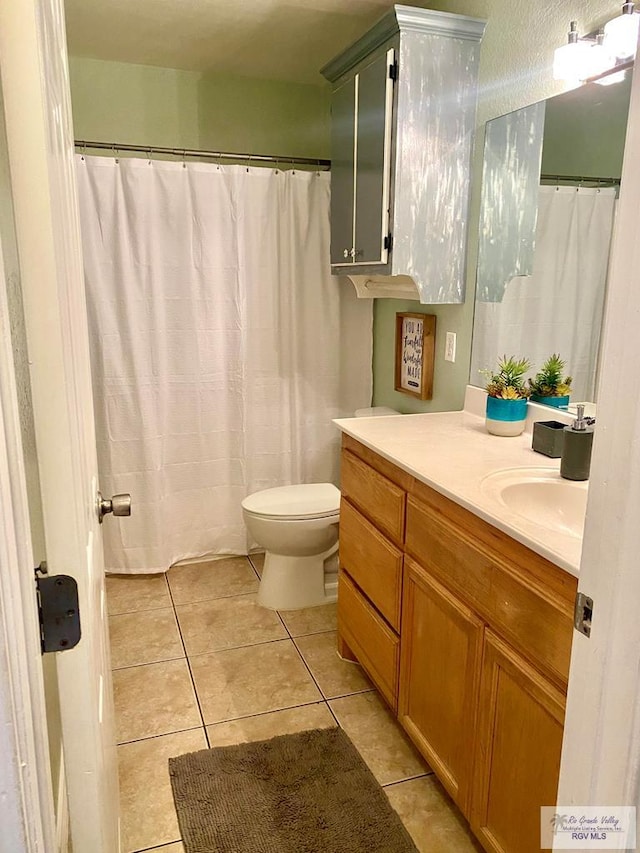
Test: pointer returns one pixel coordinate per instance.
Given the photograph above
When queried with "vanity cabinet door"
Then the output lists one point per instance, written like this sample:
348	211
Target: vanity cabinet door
441	644
518	746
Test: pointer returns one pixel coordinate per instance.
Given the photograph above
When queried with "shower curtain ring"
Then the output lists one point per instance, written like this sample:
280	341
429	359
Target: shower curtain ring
184	159
115	153
219	159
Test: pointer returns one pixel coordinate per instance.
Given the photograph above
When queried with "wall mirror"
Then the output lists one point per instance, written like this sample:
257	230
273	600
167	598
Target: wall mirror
551	176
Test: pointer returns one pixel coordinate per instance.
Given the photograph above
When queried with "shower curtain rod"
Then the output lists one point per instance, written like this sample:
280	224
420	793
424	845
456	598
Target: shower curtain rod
209	155
580	179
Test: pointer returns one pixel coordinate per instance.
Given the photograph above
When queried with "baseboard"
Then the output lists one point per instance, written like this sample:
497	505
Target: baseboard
62	812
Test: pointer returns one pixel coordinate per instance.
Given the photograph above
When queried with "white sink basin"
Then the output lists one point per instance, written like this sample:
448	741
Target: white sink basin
541	496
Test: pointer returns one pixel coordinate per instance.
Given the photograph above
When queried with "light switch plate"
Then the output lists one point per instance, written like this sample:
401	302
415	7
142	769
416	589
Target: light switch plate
450	347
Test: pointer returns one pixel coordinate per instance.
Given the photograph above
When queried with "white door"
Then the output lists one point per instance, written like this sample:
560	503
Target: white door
601	748
40	143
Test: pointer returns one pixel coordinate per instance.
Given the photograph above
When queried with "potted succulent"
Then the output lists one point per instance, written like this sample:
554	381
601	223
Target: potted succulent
548	386
507	397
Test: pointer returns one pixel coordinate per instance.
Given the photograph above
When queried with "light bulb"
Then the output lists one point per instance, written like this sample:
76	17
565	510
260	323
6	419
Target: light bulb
621	34
571	62
600	59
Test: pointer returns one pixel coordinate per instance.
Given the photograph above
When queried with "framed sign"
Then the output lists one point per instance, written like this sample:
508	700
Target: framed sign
415	352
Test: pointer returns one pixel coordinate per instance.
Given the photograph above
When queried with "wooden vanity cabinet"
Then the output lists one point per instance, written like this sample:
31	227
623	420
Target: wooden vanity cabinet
518	748
467	635
441	654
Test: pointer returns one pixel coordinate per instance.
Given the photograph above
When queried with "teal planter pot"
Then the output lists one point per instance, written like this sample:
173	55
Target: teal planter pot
506	417
556	402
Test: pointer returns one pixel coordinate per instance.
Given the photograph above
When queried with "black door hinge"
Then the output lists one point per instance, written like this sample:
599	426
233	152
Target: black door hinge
58	611
393	70
388	242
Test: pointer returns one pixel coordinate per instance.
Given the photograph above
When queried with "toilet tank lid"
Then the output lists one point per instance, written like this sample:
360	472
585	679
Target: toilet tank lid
304	501
375	412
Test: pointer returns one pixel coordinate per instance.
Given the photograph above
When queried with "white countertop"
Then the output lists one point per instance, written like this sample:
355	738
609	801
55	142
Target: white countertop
453	453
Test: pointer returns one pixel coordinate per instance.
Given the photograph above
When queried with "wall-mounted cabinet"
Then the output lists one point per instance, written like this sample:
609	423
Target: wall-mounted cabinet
403	120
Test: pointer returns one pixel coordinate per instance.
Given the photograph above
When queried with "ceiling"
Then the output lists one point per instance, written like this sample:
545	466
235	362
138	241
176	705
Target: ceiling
272	39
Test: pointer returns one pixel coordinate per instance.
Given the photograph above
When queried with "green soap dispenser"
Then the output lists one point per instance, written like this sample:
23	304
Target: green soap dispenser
576	449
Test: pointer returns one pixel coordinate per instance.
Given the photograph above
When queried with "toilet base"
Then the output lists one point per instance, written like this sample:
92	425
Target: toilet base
291	583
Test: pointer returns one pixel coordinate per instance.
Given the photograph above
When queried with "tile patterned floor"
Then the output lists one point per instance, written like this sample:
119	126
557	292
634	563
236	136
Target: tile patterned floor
198	663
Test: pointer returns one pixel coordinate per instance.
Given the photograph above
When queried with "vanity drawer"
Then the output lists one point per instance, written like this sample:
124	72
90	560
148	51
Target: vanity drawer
373	562
375	496
369	637
533	619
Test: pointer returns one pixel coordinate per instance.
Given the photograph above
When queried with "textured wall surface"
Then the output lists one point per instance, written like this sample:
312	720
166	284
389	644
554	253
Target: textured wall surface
139	104
515	70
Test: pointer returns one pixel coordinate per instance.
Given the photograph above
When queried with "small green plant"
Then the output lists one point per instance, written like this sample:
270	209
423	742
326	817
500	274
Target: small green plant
549	381
508	383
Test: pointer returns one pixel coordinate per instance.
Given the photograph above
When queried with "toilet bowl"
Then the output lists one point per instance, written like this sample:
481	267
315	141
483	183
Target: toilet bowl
298	528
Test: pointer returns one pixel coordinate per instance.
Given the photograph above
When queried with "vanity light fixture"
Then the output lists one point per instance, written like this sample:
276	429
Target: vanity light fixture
621	33
586	57
571	61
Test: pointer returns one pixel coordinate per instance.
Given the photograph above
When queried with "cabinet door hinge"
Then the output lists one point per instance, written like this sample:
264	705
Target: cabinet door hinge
388	242
583	614
57	610
393	70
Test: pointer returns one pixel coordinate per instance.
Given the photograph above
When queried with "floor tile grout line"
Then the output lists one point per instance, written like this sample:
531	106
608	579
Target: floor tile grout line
143	610
215	598
235	648
253	566
408	779
158	846
327	698
312	633
321	701
331	711
193	681
146	663
308	668
139	610
155	737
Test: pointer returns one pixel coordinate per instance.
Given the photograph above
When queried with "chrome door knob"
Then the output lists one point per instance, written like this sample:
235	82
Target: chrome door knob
345	253
118	505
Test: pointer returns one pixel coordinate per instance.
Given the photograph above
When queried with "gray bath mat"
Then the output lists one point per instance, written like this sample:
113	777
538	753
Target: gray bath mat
302	793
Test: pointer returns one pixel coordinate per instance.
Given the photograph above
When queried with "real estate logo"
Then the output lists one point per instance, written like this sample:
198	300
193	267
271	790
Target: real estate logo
588	827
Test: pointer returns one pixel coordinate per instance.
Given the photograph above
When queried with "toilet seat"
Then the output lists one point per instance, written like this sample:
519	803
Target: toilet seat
306	501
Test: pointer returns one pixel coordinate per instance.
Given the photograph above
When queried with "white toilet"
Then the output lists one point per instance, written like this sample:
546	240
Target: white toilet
298	528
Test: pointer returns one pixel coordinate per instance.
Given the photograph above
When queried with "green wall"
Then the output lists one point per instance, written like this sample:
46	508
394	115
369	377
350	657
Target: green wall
140	104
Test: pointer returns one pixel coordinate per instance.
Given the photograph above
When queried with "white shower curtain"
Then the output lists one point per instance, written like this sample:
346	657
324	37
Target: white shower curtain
559	307
222	347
